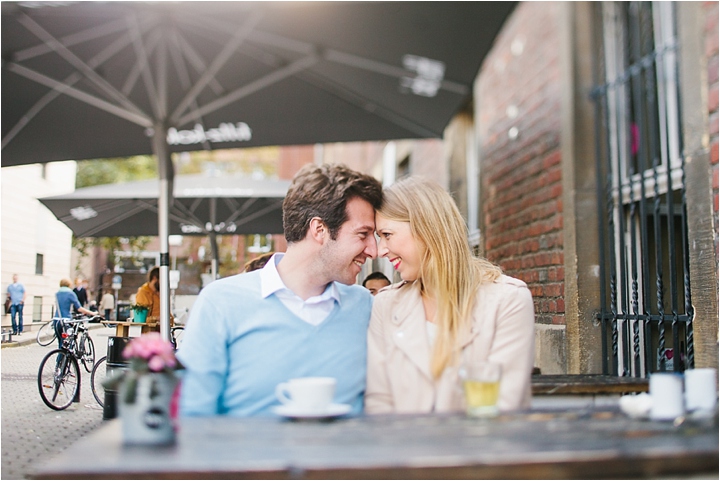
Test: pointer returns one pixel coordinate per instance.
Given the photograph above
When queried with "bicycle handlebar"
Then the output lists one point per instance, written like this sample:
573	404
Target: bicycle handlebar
78	320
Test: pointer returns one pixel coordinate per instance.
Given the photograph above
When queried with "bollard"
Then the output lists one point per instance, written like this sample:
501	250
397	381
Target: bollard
114	362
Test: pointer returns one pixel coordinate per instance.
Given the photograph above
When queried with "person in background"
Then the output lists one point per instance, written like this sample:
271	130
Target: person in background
375	281
300	315
148	294
66	301
258	262
81	292
451	307
17	294
107	304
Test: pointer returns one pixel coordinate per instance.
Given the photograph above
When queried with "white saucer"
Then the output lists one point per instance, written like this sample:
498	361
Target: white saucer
332	411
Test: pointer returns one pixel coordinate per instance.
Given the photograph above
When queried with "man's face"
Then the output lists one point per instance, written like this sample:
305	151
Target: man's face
15	278
344	257
374	285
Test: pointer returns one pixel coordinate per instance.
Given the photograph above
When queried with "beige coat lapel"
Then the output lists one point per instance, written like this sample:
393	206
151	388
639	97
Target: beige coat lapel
409	332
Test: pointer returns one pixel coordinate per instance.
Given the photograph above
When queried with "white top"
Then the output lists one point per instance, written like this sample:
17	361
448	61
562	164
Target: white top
313	311
107	301
431	332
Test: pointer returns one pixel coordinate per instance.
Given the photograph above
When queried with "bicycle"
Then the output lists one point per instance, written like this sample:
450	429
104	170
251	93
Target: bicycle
97	377
176	336
46	334
59	372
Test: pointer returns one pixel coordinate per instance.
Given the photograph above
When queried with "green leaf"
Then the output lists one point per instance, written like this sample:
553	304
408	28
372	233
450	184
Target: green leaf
131	388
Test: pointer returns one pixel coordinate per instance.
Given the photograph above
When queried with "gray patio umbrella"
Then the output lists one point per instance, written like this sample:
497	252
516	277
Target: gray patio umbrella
85	80
202	205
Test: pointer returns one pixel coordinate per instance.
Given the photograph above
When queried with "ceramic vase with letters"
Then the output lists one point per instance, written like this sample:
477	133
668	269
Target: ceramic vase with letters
148	391
145	409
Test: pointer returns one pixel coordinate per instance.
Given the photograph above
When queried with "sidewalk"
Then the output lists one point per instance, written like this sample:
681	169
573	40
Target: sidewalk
28	338
32	432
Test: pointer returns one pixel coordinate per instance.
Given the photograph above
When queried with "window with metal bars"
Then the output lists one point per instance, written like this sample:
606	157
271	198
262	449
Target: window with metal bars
646	312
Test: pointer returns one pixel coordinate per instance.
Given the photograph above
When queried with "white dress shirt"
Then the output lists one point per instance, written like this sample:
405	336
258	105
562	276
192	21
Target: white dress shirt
313	311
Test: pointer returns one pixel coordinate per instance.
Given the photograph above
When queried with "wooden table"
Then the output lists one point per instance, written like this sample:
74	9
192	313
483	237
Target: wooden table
579	384
533	444
122	328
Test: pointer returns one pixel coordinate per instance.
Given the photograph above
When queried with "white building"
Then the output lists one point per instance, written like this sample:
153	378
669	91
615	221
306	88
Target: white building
35	245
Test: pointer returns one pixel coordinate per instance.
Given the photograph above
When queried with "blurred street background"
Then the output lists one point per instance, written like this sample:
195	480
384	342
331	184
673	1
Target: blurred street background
32	432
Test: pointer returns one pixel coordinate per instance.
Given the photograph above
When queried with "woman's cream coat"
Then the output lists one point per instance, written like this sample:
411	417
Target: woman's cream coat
399	353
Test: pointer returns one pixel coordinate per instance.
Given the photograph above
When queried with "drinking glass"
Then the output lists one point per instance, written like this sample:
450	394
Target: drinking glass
481	385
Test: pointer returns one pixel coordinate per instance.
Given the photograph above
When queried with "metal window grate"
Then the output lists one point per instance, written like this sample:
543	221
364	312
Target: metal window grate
646	312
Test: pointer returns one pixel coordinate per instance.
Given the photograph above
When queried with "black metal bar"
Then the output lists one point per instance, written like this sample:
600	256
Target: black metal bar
596	97
637	131
609	208
690	345
653	160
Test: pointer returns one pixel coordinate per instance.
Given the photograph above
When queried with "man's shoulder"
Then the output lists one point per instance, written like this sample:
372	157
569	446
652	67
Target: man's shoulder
354	293
244	283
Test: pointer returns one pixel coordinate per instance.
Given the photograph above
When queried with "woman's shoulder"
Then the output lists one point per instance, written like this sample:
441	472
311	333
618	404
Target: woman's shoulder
510	282
503	286
396	290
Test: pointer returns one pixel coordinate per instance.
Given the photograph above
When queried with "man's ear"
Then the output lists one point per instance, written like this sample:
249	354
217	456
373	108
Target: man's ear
318	230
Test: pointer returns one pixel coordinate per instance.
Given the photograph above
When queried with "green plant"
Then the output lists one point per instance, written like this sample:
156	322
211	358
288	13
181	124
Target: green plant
140	308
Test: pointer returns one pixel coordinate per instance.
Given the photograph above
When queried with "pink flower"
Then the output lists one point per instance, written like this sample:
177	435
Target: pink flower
151	348
156	364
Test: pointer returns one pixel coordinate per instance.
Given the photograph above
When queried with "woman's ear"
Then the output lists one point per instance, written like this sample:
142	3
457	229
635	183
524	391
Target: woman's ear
318	230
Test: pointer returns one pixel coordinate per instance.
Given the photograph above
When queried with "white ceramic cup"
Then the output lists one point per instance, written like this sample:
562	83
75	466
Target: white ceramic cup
701	394
666	390
309	394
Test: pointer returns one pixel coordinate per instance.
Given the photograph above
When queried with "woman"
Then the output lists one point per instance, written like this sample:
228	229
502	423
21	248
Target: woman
451	307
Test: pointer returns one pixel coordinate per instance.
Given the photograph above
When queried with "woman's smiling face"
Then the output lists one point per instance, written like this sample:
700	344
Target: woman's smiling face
399	246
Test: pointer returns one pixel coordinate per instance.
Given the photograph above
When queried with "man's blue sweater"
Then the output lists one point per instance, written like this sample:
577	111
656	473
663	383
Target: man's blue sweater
238	346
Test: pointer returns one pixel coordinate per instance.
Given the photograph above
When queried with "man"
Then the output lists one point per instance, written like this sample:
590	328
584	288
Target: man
375	281
81	292
16	292
299	315
148	294
107	304
66	301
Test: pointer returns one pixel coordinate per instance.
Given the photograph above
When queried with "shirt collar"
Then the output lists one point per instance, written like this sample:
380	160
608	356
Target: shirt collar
270	281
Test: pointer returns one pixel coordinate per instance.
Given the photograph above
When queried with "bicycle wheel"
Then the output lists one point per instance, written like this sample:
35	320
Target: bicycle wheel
88	354
58	379
46	334
176	335
96	379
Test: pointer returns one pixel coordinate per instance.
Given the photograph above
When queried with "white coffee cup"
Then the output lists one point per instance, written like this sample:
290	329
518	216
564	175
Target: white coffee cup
701	394
666	390
308	394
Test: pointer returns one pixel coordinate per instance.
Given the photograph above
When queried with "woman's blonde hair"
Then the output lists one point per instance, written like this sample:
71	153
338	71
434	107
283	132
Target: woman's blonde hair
449	272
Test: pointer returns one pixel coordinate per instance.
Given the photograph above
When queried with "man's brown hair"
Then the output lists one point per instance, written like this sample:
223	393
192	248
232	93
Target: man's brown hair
324	191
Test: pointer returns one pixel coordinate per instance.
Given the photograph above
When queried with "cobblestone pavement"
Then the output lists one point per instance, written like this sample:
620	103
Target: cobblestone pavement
32	432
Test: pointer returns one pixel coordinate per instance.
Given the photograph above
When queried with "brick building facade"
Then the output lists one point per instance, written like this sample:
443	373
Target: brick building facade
518	125
538	130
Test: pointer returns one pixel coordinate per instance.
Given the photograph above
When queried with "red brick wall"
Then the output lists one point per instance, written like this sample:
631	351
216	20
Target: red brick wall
292	158
521	182
361	156
711	51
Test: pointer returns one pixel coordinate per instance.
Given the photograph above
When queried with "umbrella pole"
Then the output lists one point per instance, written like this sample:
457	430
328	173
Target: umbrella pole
166	174
213	239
